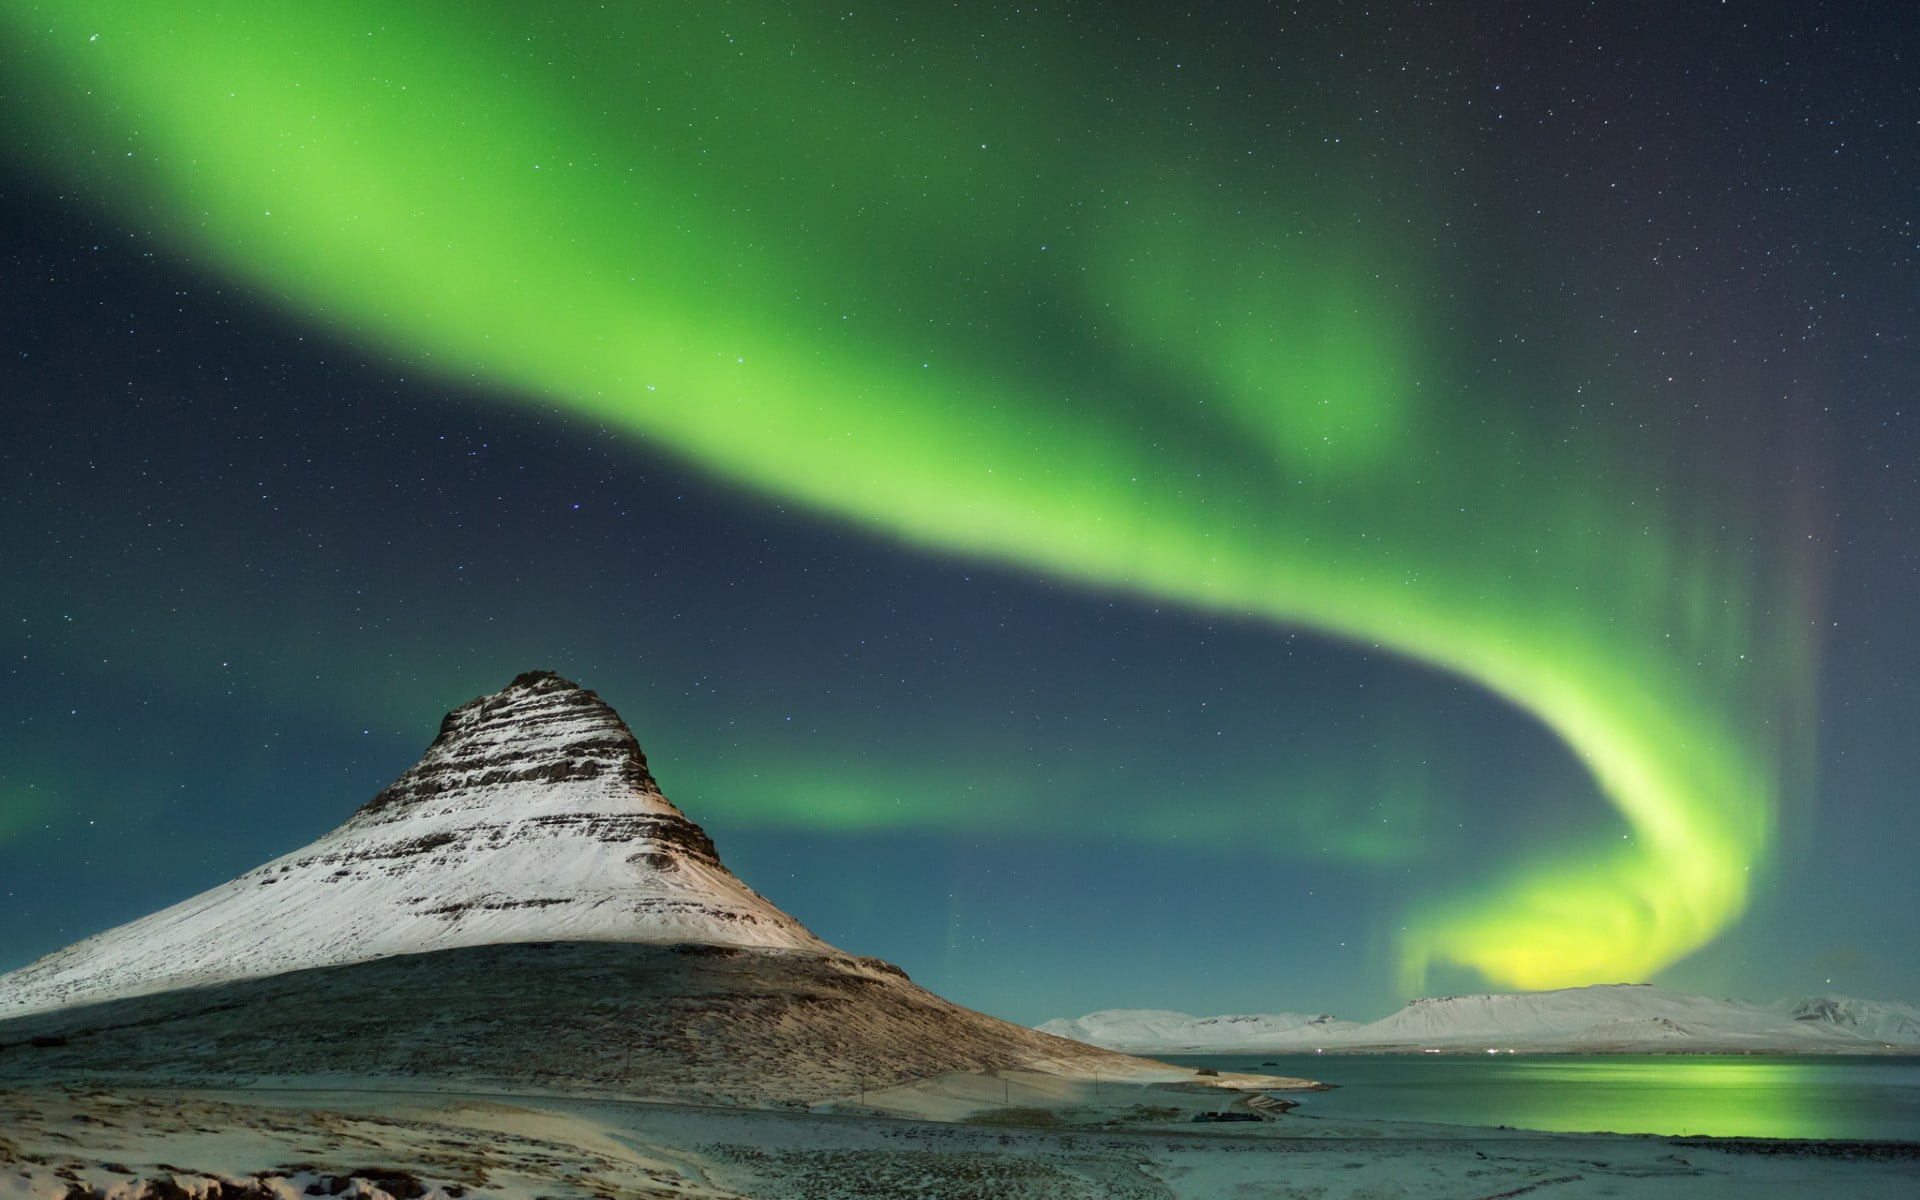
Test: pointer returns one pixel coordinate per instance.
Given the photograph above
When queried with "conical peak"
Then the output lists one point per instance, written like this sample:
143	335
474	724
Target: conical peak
540	728
531	818
541	706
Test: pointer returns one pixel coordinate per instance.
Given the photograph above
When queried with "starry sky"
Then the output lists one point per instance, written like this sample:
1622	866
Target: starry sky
1268	508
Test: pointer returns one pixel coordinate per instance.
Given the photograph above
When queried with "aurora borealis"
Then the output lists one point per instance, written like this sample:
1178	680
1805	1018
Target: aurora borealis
1461	355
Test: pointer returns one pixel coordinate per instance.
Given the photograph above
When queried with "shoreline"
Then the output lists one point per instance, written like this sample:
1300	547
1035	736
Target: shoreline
1131	1139
1482	1050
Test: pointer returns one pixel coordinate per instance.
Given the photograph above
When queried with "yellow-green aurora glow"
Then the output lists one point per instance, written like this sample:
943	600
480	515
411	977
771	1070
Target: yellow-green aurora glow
961	303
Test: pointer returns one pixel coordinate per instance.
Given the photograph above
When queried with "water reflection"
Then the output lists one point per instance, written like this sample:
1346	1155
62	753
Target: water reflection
1800	1097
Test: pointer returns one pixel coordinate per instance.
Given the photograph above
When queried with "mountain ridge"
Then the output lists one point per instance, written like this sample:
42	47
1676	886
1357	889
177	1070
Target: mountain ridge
1625	1018
1150	1031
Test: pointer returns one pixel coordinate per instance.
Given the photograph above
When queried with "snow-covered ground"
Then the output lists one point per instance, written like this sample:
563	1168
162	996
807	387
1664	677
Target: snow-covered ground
1609	1017
116	1145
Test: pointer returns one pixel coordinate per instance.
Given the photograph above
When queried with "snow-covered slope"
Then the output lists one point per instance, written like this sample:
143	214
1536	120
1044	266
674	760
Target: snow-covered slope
1158	1031
531	818
1881	1020
1591	1017
1609	1017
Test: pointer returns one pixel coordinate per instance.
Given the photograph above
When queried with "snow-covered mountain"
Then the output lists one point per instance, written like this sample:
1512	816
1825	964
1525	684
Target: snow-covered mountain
1608	1017
531	818
1154	1031
1881	1020
522	908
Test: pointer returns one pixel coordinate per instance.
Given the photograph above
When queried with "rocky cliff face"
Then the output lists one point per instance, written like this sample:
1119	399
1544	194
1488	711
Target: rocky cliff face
531	818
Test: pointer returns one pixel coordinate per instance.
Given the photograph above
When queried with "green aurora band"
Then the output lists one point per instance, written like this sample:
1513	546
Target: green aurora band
953	302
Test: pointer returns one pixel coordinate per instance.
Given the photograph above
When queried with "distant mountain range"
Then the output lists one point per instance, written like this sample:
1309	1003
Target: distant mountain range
1616	1018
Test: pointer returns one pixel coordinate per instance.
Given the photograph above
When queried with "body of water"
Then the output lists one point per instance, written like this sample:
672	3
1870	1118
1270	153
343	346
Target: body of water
1789	1096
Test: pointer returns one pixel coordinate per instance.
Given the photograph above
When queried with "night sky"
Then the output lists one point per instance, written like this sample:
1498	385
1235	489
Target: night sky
1274	508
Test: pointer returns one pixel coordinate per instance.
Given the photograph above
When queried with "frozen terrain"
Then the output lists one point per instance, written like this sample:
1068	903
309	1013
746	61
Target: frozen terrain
89	1144
1627	1018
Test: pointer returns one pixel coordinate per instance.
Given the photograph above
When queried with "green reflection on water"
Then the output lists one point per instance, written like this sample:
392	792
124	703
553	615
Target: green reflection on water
1859	1097
1724	1097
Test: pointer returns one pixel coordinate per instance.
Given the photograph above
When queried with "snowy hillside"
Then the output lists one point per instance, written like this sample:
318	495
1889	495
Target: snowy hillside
1622	1016
1157	1031
1881	1020
531	818
1608	1017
